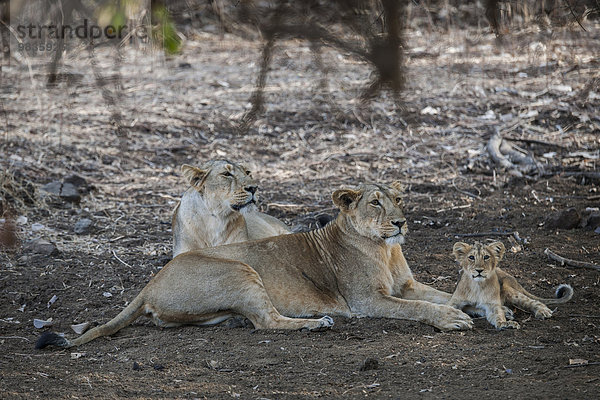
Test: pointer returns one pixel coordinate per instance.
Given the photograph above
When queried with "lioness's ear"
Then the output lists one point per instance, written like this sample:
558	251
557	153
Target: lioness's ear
497	249
345	199
194	175
460	249
398	186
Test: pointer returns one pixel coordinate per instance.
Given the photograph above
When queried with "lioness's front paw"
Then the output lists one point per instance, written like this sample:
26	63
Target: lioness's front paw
508	325
452	319
543	312
324	323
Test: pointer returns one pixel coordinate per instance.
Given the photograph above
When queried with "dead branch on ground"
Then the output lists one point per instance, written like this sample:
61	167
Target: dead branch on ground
516	161
569	262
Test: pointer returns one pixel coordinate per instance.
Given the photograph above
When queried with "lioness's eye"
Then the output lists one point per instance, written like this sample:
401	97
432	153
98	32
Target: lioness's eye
248	173
472	258
398	200
375	202
226	173
486	257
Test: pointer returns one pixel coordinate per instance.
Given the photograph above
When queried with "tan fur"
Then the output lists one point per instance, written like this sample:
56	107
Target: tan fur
484	285
352	267
219	208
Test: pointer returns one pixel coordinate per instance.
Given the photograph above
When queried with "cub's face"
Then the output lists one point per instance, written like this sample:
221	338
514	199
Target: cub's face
375	211
223	183
478	261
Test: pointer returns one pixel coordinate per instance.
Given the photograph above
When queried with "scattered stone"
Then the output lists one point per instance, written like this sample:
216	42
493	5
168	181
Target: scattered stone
40	323
590	219
66	191
35	227
52	300
159	367
21	220
80	328
40	246
369	364
77	181
83	226
136	366
565	219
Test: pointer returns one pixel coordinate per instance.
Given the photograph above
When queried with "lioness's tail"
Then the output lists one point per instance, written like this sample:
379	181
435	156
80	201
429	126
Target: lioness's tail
563	294
124	318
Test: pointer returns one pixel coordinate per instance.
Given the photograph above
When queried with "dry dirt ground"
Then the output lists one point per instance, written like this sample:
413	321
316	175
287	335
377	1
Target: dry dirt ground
308	142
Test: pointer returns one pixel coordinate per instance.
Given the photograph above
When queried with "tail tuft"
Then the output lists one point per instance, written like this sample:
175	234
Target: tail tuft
51	339
564	292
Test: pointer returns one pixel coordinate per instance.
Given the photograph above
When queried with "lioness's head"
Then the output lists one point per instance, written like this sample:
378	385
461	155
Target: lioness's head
223	182
479	260
374	211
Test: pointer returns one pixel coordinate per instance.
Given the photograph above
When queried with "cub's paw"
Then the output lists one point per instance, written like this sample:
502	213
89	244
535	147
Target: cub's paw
450	319
508	313
543	312
508	325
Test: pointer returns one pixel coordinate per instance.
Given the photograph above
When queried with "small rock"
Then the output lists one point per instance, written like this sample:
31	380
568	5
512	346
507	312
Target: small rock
52	300
66	191
40	323
40	246
83	226
21	220
80	328
159	367
565	219
369	364
590	219
136	366
77	181
35	227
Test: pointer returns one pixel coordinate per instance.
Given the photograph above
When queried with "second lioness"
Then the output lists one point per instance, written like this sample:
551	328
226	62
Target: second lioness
352	267
220	208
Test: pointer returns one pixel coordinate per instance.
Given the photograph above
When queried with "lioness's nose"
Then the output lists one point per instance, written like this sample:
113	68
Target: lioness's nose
251	189
399	222
479	271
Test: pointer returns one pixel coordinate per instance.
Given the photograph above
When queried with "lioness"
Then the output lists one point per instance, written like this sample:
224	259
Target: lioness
219	208
354	266
484	285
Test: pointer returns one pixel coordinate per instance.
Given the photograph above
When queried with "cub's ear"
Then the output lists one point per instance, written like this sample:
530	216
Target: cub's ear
194	175
398	186
497	249
346	199
460	249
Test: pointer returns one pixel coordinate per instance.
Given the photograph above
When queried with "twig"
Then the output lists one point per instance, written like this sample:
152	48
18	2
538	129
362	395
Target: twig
465	192
15	337
575	16
540	142
453	208
582	365
121	261
569	262
514	234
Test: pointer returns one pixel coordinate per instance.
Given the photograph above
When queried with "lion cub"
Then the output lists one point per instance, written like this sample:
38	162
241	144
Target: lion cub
484	285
